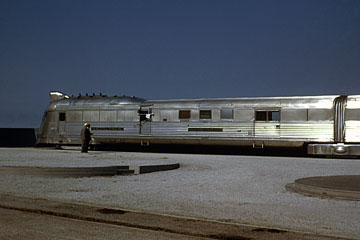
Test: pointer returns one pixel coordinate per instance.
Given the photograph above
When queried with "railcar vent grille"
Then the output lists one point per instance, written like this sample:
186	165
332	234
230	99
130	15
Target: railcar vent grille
205	129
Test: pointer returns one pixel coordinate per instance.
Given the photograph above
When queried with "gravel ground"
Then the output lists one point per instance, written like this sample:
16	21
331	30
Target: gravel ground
241	189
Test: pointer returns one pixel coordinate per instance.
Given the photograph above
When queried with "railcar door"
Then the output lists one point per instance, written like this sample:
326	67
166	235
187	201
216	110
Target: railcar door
145	120
267	123
62	126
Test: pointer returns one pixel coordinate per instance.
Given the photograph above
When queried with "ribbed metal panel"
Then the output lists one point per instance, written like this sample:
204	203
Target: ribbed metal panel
182	129
339	118
321	131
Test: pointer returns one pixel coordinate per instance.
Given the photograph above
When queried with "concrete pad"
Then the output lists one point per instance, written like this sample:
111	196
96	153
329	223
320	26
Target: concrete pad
87	171
340	187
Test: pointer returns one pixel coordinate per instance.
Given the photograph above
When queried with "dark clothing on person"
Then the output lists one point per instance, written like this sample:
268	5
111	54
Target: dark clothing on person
84	147
85	139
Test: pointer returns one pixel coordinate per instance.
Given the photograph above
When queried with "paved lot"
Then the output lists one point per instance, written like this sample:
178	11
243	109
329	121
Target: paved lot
23	226
240	189
40	213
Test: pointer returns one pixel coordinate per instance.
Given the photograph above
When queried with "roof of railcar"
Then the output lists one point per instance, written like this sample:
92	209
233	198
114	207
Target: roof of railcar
80	102
248	99
325	101
289	98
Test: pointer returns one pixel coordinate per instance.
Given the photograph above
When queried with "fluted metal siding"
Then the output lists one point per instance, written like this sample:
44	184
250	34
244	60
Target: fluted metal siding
321	131
180	129
267	129
339	119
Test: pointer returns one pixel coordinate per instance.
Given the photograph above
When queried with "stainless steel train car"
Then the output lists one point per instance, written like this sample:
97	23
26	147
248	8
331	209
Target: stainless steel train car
323	125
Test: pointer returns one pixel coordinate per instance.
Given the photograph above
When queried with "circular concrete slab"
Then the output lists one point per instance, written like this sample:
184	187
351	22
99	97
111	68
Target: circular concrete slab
345	187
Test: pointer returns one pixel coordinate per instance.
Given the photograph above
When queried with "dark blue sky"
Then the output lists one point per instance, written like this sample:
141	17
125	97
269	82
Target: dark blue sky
174	49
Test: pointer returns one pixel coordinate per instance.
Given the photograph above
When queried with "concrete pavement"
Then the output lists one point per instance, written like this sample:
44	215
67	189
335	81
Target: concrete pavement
245	190
62	220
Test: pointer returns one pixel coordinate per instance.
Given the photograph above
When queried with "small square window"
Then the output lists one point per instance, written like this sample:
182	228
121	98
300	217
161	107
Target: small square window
62	117
260	116
274	116
227	113
184	114
205	114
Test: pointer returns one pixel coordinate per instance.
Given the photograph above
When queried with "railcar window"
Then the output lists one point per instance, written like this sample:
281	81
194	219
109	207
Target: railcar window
321	114
274	116
352	114
205	114
184	114
227	113
294	115
62	117
260	116
244	115
267	116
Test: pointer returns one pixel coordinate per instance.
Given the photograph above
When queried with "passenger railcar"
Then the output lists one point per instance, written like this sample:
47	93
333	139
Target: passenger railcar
324	125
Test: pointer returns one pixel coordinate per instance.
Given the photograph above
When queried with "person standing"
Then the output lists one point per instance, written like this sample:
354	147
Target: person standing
85	138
